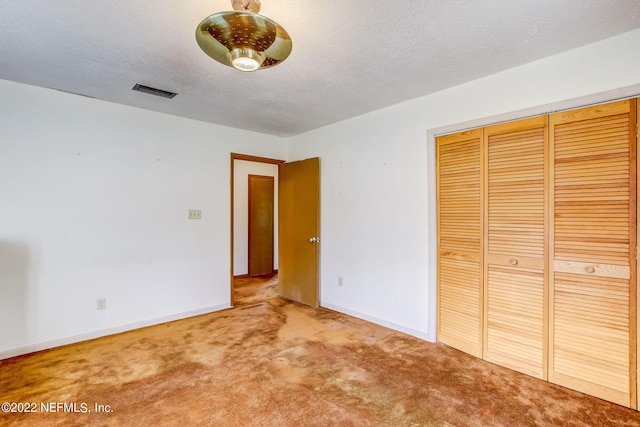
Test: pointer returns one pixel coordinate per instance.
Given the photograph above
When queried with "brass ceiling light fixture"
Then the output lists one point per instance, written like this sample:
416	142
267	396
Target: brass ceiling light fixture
244	39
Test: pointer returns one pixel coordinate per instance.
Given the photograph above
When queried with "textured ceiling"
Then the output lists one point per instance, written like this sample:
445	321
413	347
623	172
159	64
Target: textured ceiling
349	57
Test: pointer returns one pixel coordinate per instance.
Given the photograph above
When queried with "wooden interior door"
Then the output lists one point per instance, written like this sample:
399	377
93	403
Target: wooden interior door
515	297
261	238
460	228
593	251
299	230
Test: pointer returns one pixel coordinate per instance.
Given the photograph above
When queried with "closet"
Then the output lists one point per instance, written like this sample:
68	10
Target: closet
537	247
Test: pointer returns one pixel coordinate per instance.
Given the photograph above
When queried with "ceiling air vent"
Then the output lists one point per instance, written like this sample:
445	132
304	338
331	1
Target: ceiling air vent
154	91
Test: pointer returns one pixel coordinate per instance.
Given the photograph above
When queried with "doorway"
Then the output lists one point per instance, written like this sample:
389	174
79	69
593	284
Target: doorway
242	166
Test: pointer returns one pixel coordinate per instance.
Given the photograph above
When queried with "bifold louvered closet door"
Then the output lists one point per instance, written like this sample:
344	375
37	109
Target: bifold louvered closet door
515	246
460	241
593	284
537	247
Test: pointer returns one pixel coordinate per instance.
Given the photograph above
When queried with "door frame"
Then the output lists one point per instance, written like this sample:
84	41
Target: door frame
249	158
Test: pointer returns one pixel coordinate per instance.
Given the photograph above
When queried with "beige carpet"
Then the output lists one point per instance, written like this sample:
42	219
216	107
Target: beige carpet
270	362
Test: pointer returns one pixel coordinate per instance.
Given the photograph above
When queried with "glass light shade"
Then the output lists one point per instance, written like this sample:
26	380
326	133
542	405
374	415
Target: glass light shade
245	59
245	64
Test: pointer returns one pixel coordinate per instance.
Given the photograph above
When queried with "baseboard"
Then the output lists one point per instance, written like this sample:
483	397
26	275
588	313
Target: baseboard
110	331
386	324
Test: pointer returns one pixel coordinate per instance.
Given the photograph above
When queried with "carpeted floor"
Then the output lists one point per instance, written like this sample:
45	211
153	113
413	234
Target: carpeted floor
271	362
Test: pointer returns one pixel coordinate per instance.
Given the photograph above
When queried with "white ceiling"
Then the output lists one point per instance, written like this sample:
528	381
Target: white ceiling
349	57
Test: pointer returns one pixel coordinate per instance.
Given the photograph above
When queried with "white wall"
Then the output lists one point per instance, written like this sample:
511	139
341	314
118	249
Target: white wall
93	203
378	175
241	171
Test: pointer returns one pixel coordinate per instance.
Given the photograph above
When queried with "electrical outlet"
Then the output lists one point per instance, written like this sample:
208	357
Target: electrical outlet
195	214
340	281
101	303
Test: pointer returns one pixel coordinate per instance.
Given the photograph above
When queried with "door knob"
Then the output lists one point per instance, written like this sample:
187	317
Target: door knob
313	239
